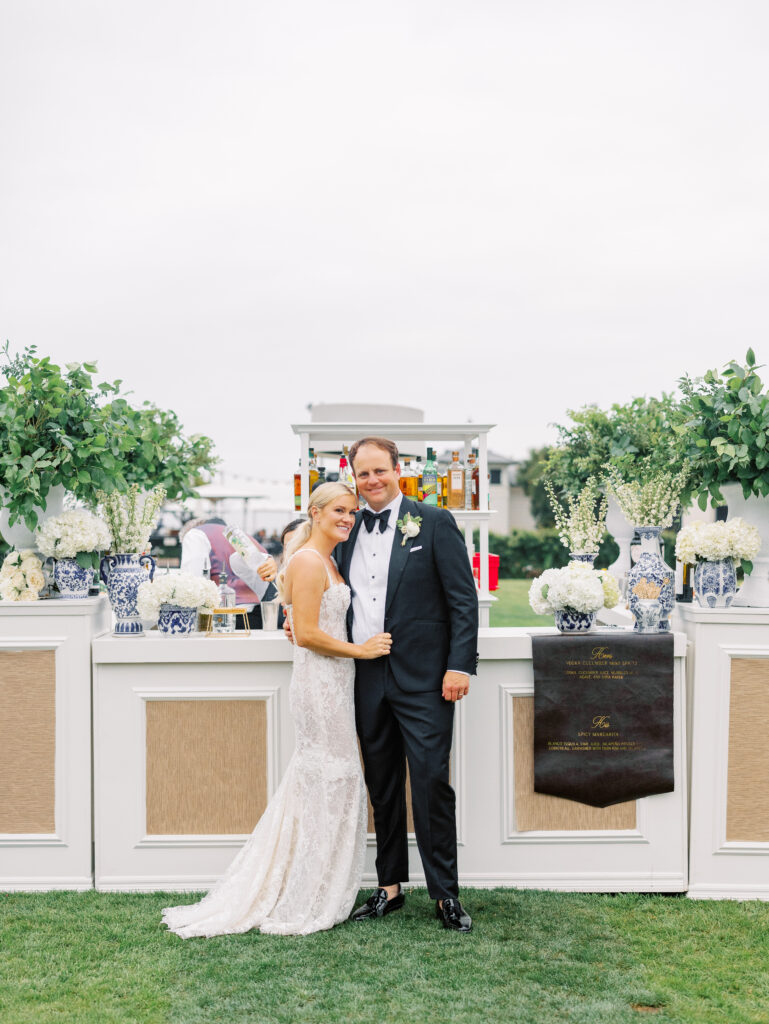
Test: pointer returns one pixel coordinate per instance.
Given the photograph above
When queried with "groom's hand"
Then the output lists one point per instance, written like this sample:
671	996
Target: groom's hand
455	686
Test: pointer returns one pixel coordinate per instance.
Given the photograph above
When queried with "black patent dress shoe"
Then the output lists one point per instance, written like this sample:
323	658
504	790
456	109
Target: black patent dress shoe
377	905
453	915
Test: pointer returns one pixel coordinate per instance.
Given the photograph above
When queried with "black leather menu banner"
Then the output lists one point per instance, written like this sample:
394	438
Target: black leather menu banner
603	716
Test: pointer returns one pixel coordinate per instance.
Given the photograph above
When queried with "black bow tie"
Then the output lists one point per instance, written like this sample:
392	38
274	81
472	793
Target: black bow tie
369	518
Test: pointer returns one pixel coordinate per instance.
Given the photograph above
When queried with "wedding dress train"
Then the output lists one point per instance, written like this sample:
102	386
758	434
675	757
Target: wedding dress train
301	868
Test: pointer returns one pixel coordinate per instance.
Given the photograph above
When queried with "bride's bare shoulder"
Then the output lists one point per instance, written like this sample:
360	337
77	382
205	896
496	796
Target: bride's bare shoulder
306	563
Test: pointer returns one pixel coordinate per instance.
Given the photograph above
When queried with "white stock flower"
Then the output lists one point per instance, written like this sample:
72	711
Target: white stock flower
411	529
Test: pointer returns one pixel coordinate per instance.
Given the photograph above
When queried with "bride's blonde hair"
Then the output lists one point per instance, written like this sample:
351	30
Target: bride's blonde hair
319	498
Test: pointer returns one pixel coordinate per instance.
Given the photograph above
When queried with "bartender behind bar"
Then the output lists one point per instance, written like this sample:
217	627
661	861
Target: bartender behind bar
207	552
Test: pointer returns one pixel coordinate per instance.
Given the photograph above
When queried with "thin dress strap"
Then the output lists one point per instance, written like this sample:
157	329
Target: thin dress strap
320	556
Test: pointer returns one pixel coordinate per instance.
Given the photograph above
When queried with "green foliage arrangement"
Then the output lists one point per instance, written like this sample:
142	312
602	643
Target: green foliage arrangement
61	427
723	422
622	435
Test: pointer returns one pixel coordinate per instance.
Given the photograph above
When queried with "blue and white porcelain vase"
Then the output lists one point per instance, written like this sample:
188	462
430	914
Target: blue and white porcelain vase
647	615
72	580
651	567
715	583
587	558
122	575
173	620
569	621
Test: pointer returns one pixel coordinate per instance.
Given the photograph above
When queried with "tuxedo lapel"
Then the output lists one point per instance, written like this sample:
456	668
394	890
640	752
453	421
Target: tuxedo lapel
399	553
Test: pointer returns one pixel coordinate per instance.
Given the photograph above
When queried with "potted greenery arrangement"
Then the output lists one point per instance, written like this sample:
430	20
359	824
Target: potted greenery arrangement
573	594
723	420
61	431
130	519
622	436
74	539
53	438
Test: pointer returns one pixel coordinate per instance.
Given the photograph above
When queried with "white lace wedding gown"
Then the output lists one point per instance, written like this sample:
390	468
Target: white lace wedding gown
301	868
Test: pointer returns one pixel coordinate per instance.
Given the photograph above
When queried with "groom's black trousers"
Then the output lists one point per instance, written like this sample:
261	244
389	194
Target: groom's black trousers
395	726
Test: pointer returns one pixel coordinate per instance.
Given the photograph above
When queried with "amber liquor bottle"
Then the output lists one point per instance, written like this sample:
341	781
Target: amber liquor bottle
455	483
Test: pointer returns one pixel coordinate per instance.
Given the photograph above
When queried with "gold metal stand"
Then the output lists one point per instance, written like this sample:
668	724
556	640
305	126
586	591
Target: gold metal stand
246	631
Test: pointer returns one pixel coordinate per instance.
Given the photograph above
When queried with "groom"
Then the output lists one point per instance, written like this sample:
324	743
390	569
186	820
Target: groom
416	584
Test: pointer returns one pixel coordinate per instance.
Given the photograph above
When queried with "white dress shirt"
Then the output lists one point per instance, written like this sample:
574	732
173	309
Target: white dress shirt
369	566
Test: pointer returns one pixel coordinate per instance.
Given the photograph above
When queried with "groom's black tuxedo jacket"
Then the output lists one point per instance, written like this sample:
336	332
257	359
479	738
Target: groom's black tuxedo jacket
431	607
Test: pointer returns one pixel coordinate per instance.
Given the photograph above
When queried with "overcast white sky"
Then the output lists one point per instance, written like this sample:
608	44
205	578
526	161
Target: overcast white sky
493	209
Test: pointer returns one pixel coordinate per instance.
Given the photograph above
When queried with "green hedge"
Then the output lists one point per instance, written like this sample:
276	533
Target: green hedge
526	553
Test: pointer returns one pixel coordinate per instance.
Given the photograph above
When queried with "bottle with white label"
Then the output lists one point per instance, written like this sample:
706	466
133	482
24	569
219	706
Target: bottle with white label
223	623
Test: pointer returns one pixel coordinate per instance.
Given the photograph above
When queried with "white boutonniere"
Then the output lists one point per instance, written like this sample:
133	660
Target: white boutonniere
409	526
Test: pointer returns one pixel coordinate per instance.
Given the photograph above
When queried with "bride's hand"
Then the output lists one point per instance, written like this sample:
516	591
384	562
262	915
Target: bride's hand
376	646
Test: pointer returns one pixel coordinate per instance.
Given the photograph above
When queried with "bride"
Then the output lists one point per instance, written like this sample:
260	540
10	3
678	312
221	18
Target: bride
300	870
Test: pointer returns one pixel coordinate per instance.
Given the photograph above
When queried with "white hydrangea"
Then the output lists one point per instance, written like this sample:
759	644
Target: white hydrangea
711	542
577	587
538	592
181	589
66	535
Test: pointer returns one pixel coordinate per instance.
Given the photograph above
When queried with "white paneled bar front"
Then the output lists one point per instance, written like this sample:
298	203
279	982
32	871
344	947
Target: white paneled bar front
130	674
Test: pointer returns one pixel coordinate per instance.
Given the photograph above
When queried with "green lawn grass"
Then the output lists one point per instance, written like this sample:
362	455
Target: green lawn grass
512	607
532	958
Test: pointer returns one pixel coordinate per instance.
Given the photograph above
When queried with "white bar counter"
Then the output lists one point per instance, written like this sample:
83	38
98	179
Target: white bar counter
728	683
45	741
192	735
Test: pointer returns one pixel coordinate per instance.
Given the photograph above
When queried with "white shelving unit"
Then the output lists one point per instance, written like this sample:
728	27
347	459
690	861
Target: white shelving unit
328	438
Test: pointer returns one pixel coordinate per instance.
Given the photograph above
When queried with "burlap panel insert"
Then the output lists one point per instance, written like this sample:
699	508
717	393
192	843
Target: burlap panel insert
747	807
535	812
206	766
27	741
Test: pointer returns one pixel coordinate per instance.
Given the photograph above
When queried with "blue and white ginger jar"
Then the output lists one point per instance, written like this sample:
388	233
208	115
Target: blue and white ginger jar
173	620
569	621
715	583
72	580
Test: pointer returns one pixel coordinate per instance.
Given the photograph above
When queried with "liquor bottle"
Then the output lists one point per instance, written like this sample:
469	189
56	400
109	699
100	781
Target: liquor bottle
345	473
222	622
476	488
455	478
298	488
684	594
418	470
441	490
409	481
321	478
430	480
469	477
313	470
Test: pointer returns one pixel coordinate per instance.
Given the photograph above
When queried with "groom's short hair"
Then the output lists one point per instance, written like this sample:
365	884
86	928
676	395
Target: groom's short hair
377	442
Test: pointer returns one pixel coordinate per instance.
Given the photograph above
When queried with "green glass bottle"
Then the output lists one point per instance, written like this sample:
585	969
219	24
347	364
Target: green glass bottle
430	480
